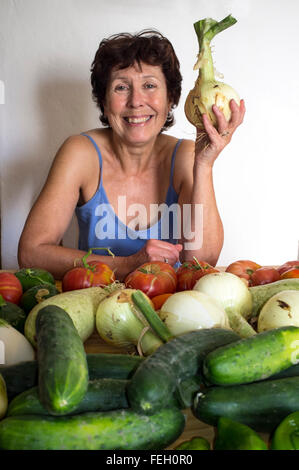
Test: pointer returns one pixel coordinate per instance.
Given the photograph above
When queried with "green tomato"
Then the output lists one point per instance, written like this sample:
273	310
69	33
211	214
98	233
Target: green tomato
30	277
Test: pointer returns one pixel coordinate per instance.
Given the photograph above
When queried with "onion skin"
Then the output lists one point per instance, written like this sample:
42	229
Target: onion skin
201	99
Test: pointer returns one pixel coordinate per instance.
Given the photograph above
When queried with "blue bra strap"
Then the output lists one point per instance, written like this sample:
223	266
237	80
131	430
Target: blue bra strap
173	160
96	147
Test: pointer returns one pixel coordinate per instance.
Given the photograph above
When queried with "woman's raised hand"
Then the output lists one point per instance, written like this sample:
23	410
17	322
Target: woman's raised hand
211	142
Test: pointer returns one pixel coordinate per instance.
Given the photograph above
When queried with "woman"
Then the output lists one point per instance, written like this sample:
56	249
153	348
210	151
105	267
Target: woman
123	179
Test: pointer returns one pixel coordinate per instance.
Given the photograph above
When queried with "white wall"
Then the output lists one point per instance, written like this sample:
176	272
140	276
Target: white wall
46	49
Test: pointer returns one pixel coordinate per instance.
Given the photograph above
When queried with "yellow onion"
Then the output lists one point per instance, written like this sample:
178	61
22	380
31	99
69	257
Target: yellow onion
207	90
120	324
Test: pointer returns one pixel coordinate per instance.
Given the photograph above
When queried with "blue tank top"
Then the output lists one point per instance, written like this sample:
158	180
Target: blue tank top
99	225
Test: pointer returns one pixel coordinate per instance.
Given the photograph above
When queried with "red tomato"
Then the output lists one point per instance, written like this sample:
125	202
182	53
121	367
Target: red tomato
159	300
291	273
264	275
243	269
97	275
190	271
153	278
286	266
10	287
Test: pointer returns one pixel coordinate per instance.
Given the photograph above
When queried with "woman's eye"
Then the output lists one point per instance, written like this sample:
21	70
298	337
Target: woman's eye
121	88
150	85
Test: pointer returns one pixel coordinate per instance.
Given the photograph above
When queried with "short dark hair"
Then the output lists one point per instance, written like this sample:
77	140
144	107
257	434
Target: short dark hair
124	50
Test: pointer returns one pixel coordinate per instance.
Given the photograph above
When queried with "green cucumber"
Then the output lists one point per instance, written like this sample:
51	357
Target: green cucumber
255	358
106	430
154	383
232	435
260	405
286	435
112	366
101	395
62	364
260	294
22	376
292	371
13	314
36	294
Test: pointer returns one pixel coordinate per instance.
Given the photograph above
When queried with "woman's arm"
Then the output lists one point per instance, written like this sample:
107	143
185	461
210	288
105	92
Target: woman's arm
205	237
49	218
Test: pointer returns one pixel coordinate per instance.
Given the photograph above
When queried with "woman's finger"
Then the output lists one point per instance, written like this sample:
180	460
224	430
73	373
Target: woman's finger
237	113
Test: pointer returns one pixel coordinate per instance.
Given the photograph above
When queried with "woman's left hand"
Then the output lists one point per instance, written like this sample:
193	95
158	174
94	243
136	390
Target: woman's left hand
209	145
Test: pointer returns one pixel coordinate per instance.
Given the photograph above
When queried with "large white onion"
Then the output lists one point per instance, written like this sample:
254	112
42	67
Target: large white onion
232	295
15	346
191	310
282	309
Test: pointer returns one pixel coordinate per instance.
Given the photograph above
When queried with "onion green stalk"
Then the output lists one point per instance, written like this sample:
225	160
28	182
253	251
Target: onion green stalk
151	316
207	90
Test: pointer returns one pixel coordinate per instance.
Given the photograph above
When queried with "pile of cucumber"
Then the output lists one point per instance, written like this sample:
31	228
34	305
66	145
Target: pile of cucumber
69	400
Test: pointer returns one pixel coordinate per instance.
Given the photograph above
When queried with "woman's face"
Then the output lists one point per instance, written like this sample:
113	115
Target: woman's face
136	103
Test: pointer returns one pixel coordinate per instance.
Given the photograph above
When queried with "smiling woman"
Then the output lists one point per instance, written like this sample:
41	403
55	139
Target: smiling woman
136	84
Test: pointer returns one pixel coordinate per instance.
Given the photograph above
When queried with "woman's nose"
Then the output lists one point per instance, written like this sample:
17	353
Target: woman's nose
136	97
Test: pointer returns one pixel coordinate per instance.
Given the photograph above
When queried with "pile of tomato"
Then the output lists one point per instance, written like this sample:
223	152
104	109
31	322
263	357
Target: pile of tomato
158	280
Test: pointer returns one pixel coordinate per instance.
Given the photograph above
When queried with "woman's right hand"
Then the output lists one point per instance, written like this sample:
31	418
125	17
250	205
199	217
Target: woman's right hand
158	250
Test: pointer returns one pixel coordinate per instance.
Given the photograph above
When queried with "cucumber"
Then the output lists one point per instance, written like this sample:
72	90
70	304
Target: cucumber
106	430
260	294
292	371
255	358
259	405
154	383
37	294
113	366
22	376
286	435
231	435
101	395
62	364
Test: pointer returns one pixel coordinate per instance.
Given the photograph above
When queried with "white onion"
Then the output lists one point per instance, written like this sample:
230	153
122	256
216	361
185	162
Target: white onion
15	346
232	295
191	310
282	309
119	323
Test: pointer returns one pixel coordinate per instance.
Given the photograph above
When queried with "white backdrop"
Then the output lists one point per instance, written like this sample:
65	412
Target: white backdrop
46	49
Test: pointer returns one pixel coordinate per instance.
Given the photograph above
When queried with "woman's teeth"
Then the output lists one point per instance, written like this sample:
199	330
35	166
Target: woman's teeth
135	120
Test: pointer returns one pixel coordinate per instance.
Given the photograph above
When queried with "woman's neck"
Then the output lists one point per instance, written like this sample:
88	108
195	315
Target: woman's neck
135	159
